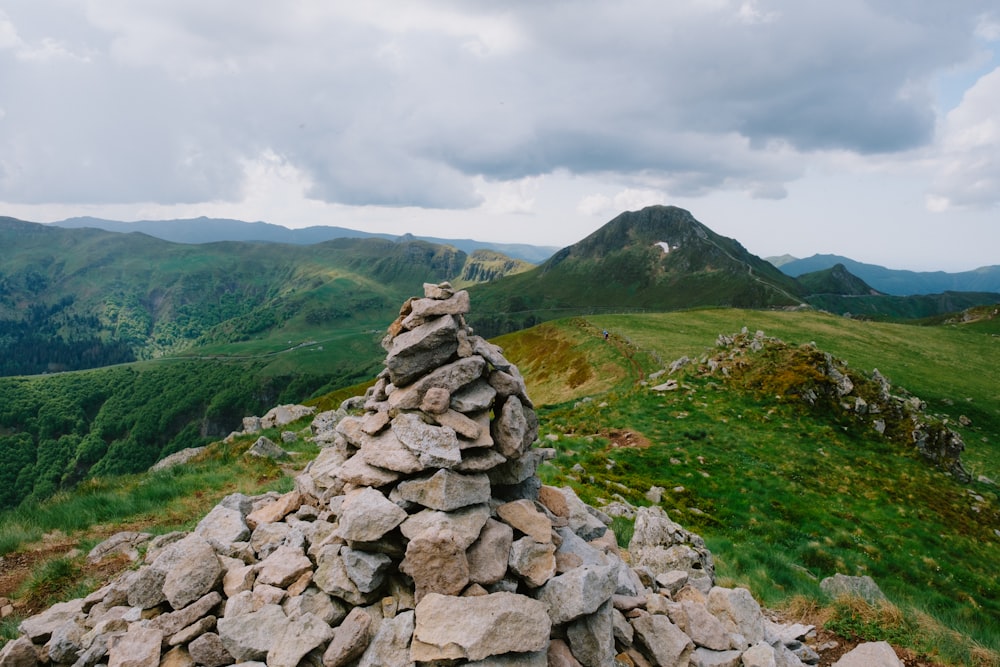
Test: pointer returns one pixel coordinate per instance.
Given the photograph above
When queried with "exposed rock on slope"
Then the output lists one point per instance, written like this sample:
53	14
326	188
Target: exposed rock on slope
420	534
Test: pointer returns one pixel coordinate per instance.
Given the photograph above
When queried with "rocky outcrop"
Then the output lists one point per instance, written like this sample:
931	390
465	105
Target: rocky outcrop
823	381
420	534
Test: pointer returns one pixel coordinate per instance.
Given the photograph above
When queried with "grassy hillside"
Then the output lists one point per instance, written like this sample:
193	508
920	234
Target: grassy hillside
77	298
786	495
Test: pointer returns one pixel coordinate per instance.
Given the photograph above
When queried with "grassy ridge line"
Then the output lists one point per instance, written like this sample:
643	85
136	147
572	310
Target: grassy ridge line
952	368
785	496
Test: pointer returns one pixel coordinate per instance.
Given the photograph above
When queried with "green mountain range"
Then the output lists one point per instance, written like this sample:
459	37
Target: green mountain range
894	281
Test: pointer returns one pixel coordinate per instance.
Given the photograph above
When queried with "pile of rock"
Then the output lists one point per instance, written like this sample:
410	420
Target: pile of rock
420	534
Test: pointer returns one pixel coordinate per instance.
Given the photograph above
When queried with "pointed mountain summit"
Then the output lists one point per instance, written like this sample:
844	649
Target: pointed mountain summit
836	280
658	258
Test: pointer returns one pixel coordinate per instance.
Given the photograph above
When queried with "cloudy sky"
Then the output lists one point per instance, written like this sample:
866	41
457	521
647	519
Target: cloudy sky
868	128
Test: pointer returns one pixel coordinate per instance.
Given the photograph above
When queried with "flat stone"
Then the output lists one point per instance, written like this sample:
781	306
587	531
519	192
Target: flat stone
385	451
533	562
350	639
357	471
474	397
367	515
275	510
437	563
489	554
413	353
577	592
525	517
452	376
390	645
434	446
138	647
474	628
249	637
307	633
465	523
480	460
284	566
464	427
870	654
666	643
446	490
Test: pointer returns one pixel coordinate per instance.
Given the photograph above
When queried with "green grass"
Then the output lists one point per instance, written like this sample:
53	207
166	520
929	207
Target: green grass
786	495
172	499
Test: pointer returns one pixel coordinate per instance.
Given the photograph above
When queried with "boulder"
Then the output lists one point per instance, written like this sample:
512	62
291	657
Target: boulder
473	628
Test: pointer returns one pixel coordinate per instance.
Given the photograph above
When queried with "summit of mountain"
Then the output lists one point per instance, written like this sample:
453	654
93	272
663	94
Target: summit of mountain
836	280
657	258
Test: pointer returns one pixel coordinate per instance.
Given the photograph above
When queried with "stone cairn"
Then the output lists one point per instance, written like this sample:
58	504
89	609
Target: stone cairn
419	535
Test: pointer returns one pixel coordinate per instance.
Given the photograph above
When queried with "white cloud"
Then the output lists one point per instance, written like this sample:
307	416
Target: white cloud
469	110
969	162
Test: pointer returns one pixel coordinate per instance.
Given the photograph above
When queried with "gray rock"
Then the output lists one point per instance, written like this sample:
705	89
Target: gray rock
664	641
191	569
446	490
577	592
473	397
434	446
871	654
39	628
510	429
331	576
357	471
387	452
703	628
266	449
366	569
863	587
66	642
283	566
224	525
350	639
451	377
316	602
306	634
250	636
125	543
704	657
139	647
19	652
173	622
591	637
436	562
474	628
465	523
285	414
208	650
661	545
738	612
413	353
488	555
176	459
367	515
533	562
390	647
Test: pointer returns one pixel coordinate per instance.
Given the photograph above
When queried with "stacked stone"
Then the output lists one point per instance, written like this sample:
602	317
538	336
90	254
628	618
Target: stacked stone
420	534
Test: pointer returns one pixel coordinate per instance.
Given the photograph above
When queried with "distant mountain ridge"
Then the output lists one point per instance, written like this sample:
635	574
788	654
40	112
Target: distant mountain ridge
895	281
211	230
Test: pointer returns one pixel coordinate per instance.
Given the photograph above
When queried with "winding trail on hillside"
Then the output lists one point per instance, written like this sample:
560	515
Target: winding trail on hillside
704	237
